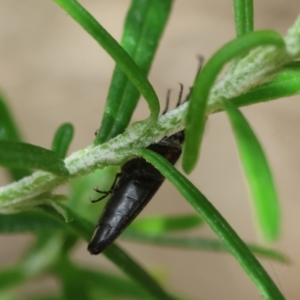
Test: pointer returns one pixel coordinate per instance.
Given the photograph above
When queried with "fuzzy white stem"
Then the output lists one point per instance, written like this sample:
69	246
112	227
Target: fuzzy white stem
259	66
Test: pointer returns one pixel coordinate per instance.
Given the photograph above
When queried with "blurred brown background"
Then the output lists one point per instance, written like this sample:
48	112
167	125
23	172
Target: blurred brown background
52	71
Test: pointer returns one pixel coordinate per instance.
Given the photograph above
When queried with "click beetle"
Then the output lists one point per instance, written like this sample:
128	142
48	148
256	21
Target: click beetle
132	189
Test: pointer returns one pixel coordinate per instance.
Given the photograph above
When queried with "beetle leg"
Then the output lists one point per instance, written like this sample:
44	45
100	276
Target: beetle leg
115	181
104	196
106	193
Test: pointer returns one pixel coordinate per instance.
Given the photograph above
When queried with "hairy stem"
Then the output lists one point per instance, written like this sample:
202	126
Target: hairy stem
267	63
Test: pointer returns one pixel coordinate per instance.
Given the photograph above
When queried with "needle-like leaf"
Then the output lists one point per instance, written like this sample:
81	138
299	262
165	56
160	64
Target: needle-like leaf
9	132
258	174
62	139
195	119
111	46
144	25
23	155
218	224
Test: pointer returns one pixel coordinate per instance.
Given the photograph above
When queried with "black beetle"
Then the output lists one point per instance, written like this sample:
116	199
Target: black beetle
132	189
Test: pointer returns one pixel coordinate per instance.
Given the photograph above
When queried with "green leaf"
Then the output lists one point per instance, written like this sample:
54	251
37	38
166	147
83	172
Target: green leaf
118	54
285	84
143	28
195	119
8	295
162	224
116	255
55	202
48	297
28	221
8	127
9	132
101	284
196	243
73	285
62	139
217	223
43	254
243	16
258	174
11	277
35	203
22	155
132	269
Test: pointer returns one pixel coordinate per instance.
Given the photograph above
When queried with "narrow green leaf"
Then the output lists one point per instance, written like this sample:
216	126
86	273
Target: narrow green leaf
119	55
62	139
60	208
205	244
70	241
11	277
104	283
47	297
46	198
116	255
143	28
8	295
243	16
258	174
9	132
23	155
285	84
43	254
29	221
162	224
8	127
195	119
269	253
73	287
217	223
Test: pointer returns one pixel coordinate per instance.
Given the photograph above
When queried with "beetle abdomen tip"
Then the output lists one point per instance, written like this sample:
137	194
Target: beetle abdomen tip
103	236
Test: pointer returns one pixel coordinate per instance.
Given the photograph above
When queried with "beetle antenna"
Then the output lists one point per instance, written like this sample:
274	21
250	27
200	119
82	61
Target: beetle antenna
187	97
200	64
167	102
180	95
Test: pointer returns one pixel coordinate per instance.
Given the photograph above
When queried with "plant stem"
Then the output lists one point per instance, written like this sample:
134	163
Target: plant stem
115	152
